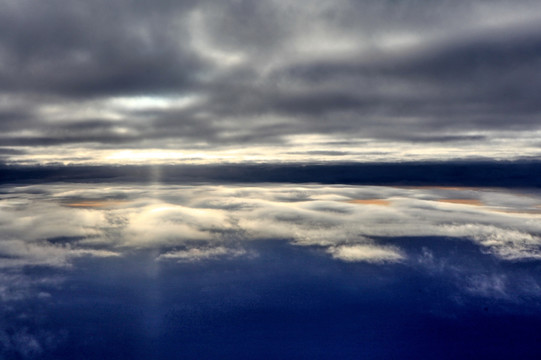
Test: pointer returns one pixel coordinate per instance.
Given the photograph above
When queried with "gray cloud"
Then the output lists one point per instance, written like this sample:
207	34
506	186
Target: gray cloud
109	75
92	49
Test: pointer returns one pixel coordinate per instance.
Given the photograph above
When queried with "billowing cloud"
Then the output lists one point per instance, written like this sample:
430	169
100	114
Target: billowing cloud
205	81
41	226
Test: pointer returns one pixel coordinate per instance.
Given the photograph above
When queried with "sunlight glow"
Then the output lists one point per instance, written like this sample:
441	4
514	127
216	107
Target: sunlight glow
151	156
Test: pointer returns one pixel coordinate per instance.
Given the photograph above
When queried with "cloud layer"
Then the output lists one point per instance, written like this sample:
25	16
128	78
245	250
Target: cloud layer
122	81
71	246
51	225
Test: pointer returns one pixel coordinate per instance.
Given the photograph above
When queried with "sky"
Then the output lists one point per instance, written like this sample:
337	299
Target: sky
240	179
233	81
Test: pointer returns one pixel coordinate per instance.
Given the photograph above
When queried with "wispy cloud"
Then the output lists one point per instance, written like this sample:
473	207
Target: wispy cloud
198	254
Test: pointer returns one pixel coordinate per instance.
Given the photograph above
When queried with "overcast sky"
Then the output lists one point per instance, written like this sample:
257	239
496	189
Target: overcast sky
121	81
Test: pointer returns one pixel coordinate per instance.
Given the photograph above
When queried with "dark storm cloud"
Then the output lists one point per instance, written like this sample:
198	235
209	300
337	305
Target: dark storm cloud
265	70
97	48
485	83
7	151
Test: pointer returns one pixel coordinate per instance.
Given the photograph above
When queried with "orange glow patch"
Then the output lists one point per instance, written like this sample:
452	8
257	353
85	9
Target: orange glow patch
379	202
94	203
462	201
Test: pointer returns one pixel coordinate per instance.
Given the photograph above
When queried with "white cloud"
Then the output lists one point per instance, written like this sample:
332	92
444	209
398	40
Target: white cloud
508	244
198	254
366	252
37	227
21	253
